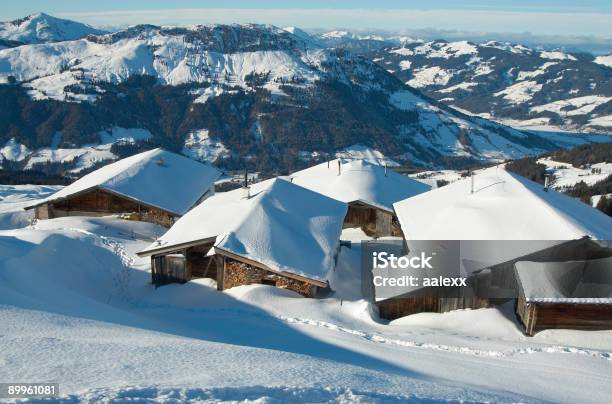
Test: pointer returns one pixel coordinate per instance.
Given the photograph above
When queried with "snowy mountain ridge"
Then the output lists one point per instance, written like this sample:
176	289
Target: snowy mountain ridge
249	92
41	28
509	83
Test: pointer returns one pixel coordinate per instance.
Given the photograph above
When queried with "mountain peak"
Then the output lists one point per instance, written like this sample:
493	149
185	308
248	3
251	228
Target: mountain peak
41	27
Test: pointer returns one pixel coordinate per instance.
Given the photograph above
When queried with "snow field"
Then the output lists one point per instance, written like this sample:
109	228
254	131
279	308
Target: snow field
72	288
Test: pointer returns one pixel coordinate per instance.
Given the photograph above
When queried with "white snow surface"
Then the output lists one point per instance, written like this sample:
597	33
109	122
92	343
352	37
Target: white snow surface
361	152
605	60
535	73
359	180
520	92
281	225
199	146
156	177
13	150
605	121
556	55
88	155
573	106
13	198
429	76
504	206
72	288
566	175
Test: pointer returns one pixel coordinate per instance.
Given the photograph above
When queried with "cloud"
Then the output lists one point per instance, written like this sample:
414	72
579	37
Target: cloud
584	31
538	22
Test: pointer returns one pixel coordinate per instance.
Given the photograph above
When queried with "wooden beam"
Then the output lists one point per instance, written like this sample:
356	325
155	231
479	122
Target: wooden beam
175	247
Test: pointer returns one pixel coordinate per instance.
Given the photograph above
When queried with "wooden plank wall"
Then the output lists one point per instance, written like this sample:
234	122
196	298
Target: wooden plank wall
400	307
542	316
374	222
167	269
98	203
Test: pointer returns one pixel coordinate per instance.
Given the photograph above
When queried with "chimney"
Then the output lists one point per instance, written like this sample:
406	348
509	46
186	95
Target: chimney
471	181
246	191
339	168
546	183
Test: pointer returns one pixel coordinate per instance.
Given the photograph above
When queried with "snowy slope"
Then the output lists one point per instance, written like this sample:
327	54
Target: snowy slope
72	288
40	28
13	198
566	175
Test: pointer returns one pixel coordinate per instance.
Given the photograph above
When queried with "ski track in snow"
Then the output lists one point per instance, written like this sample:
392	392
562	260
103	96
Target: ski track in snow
450	348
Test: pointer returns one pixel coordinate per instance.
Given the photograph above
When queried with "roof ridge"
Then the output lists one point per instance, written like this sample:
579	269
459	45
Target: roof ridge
568	220
132	164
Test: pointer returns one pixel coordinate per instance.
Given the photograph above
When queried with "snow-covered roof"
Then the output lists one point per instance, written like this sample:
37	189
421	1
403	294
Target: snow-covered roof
504	206
359	180
281	225
566	282
156	178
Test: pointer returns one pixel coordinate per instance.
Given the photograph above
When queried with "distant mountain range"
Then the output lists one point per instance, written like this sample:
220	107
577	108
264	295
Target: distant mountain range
258	96
509	83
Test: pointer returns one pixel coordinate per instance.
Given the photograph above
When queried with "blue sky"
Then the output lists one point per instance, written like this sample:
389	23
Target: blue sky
588	19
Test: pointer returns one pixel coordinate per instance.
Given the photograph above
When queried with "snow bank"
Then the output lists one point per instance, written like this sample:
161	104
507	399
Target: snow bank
72	288
13	198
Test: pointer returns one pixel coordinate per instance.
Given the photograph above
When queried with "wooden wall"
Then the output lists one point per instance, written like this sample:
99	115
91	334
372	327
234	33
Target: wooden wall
542	316
99	203
400	307
167	269
199	264
236	273
374	222
183	265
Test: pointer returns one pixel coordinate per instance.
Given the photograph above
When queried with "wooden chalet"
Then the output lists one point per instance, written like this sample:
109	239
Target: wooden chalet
369	190
568	294
498	219
154	186
274	233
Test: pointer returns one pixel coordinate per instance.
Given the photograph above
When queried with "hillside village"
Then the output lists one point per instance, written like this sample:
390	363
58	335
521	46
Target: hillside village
295	244
251	214
287	231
